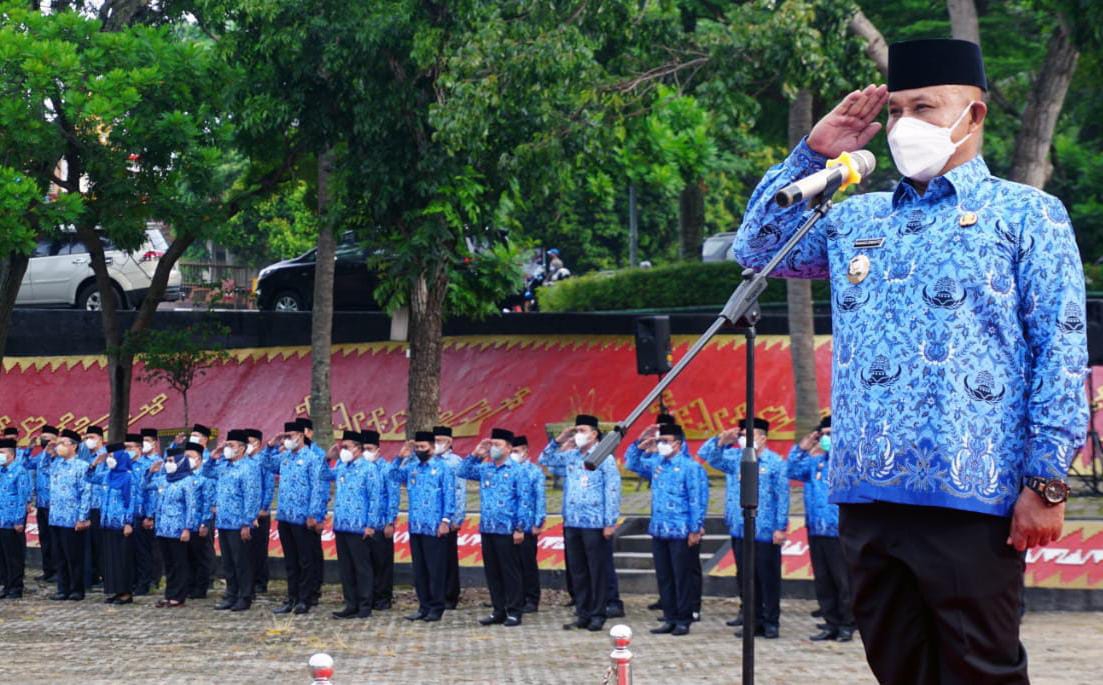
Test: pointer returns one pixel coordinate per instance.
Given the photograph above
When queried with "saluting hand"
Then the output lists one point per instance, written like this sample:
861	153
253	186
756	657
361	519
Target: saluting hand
852	123
565	435
482	450
407	449
808	442
728	437
180	439
156	466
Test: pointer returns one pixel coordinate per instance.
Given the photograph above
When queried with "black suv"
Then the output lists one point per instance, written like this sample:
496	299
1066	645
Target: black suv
288	286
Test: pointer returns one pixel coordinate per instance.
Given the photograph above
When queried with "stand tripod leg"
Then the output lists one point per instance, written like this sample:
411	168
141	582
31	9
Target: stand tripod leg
748	500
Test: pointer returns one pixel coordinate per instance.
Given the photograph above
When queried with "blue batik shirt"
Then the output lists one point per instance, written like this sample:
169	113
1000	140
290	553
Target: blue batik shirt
503	507
206	491
237	492
115	511
178	507
821	516
15	494
534	494
454	461
591	499
70	492
267	477
151	487
773	489
392	489
140	467
634	451
431	491
303	493
676	506
960	349
89	456
40	464
359	501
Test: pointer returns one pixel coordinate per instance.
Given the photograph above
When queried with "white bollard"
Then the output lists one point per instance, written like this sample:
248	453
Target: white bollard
620	657
321	668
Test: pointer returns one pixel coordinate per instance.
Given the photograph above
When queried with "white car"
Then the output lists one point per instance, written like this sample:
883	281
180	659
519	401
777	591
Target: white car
59	273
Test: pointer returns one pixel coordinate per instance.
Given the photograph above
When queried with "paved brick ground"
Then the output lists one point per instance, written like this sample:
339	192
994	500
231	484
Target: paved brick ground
45	642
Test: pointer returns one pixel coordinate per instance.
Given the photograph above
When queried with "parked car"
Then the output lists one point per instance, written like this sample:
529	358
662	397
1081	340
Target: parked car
288	286
716	248
59	273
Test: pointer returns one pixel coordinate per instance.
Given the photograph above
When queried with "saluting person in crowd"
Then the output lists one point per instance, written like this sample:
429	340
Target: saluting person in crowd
201	555
39	458
383	540
175	514
147	557
536	502
120	499
70	511
237	501
255	451
90	448
442	447
16	495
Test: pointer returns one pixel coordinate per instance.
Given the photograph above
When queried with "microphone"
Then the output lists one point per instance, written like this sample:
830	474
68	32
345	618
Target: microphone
847	168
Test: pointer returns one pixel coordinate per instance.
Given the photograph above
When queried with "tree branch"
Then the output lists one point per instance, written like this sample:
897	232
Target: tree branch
876	47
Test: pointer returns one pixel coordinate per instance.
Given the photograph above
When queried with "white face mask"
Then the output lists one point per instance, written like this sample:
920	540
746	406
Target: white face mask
665	449
346	455
194	461
112	462
920	149
90	443
439	448
147	447
742	442
3	458
61	450
170	467
496	453
251	448
581	440
371	456
228	452
196	438
288	444
517	457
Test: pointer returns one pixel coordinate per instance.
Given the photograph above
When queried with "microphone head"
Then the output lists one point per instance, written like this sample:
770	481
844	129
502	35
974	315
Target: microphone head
865	161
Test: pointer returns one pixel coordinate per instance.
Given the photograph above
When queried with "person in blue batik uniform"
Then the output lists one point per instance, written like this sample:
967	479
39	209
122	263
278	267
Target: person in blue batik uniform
359	510
39	459
959	361
724	453
147	567
16	495
431	491
176	512
237	501
201	546
255	450
591	507
442	447
120	499
808	463
677	519
503	517
382	542
90	448
70	506
537	507
303	497
315	547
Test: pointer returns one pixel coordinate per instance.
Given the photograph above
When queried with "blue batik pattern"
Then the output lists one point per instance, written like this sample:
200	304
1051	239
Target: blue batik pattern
503	506
140	467
359	499
392	489
821	517
676	506
773	489
534	494
85	454
267	477
303	493
959	361
115	512
40	464
15	494
178	507
70	492
591	499
237	492
205	493
454	461
430	490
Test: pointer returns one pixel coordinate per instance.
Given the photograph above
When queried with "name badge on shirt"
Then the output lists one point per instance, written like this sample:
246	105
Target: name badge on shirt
584	481
868	243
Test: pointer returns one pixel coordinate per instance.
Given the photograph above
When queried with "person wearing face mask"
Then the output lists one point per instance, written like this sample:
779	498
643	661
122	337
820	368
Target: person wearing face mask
724	453
176	514
534	496
70	513
39	459
677	517
442	447
201	556
503	518
255	449
931	280
431	492
359	510
303	497
307	427
117	517
237	500
591	507
383	540
91	448
16	496
808	462
147	567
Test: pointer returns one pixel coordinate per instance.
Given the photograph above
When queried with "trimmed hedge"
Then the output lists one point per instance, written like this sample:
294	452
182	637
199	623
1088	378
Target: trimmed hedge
683	284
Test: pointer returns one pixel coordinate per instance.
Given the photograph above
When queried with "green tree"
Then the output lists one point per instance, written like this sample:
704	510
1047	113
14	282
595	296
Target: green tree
180	357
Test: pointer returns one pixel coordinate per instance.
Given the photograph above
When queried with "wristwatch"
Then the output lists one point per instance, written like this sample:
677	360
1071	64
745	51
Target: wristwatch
1053	491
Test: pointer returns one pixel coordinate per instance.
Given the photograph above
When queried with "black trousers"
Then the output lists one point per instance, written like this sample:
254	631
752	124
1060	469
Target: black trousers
354	561
201	559
502	564
696	578
258	546
832	581
936	594
146	559
430	571
13	554
45	546
673	570
382	557
767	580
178	582
568	580
530	570
304	577
318	564
452	552
237	564
612	595
118	562
589	557
69	553
93	549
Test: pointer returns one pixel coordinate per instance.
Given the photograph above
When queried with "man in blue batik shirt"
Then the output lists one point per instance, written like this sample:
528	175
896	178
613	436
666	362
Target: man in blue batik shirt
70	506
255	449
237	501
808	462
538	510
958	375
442	447
383	541
39	458
147	570
15	498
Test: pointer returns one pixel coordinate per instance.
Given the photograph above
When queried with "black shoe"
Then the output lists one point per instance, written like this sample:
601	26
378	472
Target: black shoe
141	592
654	606
76	597
845	635
260	589
241	605
364	613
824	635
822	626
735	622
433	616
417	616
760	631
347	612
818	613
110	600
197	594
577	623
512	621
663	629
383	605
284	608
451	606
596	623
529	609
14	594
59	596
225	604
492	620
770	633
614	610
680	629
120	602
301	608
46	578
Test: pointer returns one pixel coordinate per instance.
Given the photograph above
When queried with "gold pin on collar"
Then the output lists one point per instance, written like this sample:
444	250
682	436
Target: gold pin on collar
967	219
858	269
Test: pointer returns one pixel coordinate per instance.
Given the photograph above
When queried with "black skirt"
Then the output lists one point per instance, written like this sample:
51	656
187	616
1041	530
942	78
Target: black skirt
118	563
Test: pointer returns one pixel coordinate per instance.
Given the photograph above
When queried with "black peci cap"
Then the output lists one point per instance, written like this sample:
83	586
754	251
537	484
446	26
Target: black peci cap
370	437
935	62
520	440
442	431
149	433
586	420
424	436
501	434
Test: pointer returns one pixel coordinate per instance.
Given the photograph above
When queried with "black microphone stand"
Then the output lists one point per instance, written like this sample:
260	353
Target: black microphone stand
742	311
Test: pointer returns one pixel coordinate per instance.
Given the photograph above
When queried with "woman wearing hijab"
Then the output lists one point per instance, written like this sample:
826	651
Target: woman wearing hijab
176	512
117	509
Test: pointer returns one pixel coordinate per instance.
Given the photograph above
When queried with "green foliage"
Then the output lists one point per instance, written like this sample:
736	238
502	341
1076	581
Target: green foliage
684	284
180	357
280	226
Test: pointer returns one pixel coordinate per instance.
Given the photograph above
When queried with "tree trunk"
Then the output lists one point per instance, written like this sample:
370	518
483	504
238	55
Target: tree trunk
691	219
184	396
1030	163
12	269
802	344
876	47
963	20
426	333
321	332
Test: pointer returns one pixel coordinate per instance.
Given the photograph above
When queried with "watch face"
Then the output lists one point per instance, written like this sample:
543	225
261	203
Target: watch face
1055	492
